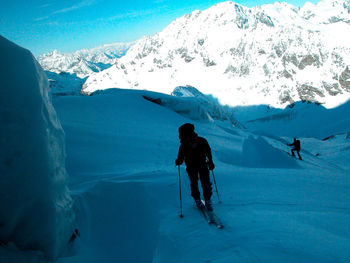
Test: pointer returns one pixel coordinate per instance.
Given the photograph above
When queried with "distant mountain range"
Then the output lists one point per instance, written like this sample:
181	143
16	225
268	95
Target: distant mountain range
85	61
274	54
68	71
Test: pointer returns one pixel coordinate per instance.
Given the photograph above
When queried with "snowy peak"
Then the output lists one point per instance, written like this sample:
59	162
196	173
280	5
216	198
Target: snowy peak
67	72
273	54
327	11
85	61
106	53
220	15
58	62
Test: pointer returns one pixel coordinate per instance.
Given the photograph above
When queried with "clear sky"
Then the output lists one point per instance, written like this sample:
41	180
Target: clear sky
68	25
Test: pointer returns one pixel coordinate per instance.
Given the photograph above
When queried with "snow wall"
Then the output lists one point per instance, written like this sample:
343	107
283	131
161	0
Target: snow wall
36	210
258	153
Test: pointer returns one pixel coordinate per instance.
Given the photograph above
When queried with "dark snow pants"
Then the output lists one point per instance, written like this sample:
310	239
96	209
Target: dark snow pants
203	173
297	153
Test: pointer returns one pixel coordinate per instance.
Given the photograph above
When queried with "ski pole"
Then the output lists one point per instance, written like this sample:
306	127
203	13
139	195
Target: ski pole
181	215
216	188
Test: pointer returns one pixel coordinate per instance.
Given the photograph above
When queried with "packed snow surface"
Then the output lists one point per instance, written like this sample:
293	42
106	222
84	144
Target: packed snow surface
121	149
35	206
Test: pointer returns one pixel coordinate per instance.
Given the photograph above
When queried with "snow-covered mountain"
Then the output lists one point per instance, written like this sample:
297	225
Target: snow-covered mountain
68	71
85	61
273	54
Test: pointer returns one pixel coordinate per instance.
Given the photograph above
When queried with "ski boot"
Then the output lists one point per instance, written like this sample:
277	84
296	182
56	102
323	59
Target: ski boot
209	205
199	204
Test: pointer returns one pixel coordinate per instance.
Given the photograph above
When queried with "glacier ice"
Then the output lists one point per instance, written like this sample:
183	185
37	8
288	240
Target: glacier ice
36	210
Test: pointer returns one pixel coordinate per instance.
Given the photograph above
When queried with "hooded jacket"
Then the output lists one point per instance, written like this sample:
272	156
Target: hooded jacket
195	154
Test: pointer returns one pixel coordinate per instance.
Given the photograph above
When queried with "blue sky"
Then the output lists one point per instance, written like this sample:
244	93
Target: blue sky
67	25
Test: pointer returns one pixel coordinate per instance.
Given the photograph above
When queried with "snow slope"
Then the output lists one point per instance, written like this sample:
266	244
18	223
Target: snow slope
301	120
274	54
36	209
120	156
63	83
121	160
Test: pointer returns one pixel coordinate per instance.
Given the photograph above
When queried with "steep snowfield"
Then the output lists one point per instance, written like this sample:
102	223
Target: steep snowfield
275	208
36	209
301	120
274	54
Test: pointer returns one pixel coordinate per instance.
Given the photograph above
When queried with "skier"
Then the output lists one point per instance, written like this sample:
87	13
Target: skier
296	144
196	153
74	235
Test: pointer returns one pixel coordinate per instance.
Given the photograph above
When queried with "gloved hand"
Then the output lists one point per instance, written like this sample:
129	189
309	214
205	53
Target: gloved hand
211	165
178	162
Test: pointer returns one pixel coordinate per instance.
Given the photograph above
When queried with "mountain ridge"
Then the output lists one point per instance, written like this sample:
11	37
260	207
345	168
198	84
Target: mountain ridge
67	72
83	62
273	54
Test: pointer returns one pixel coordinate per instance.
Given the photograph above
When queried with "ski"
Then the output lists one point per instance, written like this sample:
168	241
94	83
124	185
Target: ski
212	217
205	214
215	220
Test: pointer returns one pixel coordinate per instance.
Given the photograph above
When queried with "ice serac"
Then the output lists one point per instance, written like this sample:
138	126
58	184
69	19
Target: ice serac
35	205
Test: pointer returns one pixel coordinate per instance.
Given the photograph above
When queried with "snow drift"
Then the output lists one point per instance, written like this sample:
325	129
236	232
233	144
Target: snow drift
259	153
35	205
129	220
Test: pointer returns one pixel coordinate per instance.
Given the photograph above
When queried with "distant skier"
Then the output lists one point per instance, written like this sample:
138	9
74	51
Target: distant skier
296	147
74	235
196	153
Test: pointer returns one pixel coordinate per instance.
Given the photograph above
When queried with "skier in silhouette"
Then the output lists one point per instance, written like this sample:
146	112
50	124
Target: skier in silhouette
74	235
196	153
296	147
